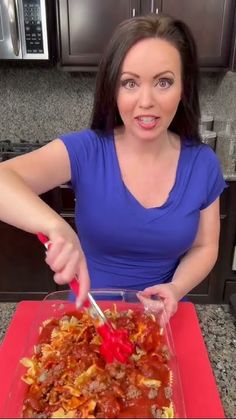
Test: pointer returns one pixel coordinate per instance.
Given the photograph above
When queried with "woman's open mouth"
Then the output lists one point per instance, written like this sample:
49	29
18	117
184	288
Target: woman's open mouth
147	122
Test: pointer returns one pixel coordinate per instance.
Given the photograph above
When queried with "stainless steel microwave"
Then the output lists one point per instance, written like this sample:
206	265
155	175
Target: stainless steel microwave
23	30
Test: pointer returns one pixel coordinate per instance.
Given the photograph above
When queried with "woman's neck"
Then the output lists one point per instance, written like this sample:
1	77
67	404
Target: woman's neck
152	149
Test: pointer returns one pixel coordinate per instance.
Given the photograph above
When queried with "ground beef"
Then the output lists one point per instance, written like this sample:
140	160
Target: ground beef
166	353
116	371
152	394
156	412
132	392
168	392
54	375
95	386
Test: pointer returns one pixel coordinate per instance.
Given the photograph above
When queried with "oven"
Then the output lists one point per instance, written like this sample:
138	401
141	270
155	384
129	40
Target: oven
9	149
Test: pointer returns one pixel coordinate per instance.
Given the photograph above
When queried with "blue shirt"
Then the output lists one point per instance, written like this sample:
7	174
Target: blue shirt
126	245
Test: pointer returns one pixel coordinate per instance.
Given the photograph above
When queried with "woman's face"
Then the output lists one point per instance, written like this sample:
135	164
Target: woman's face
149	88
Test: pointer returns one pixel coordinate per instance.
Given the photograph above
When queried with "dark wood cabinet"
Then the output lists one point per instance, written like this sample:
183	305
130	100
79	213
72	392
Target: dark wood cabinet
65	204
150	6
85	26
212	24
233	47
229	289
67	199
227	269
221	282
23	271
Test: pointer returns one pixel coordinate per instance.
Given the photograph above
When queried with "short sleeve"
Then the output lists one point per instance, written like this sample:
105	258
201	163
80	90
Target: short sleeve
215	180
79	145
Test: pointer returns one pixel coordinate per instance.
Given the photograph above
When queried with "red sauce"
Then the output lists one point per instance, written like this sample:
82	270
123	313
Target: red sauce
45	334
116	388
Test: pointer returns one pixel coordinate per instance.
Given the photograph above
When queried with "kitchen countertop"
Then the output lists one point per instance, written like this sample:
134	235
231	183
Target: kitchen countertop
218	327
231	178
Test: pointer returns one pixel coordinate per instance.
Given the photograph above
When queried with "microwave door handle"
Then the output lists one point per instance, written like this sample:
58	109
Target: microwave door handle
14	30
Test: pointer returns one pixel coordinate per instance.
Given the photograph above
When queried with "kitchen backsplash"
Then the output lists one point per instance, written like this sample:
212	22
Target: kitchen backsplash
38	104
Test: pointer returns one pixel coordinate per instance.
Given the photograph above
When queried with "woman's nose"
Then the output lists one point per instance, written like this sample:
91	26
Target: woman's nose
146	99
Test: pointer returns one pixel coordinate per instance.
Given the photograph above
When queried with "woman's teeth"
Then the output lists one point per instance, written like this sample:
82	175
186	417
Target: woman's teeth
147	122
147	119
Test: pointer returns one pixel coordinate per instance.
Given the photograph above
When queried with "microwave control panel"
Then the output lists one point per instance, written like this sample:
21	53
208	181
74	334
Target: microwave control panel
33	26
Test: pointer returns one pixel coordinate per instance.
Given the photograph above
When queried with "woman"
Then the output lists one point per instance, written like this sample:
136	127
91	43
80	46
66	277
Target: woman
147	191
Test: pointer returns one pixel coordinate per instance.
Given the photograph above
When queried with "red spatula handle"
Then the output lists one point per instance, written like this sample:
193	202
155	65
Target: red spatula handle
74	284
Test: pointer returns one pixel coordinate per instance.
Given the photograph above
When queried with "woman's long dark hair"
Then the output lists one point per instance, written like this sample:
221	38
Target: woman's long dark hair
105	114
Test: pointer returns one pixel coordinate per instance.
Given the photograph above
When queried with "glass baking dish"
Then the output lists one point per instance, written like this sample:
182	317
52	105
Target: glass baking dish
57	304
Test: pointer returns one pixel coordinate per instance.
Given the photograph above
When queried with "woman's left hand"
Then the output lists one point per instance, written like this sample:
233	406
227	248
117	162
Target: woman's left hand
167	294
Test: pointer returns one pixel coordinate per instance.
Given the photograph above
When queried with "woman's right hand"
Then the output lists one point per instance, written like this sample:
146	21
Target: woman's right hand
66	258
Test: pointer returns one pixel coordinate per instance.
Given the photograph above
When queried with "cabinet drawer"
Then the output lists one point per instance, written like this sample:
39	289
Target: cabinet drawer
230	288
224	203
234	259
69	218
201	293
67	198
23	271
202	288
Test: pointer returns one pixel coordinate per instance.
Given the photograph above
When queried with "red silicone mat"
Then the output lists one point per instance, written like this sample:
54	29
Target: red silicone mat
199	387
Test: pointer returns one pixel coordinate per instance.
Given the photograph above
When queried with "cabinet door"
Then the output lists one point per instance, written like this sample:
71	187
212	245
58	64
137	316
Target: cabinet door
211	22
150	6
65	204
211	290
70	219
23	271
201	293
66	199
86	27
230	289
227	268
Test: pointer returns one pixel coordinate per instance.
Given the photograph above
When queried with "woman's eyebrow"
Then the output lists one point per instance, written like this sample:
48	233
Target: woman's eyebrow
137	76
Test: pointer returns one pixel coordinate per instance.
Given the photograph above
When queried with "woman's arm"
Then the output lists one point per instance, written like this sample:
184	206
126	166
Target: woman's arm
25	177
22	179
195	265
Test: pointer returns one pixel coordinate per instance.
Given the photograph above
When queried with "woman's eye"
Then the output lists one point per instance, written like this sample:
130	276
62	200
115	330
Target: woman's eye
164	83
129	84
